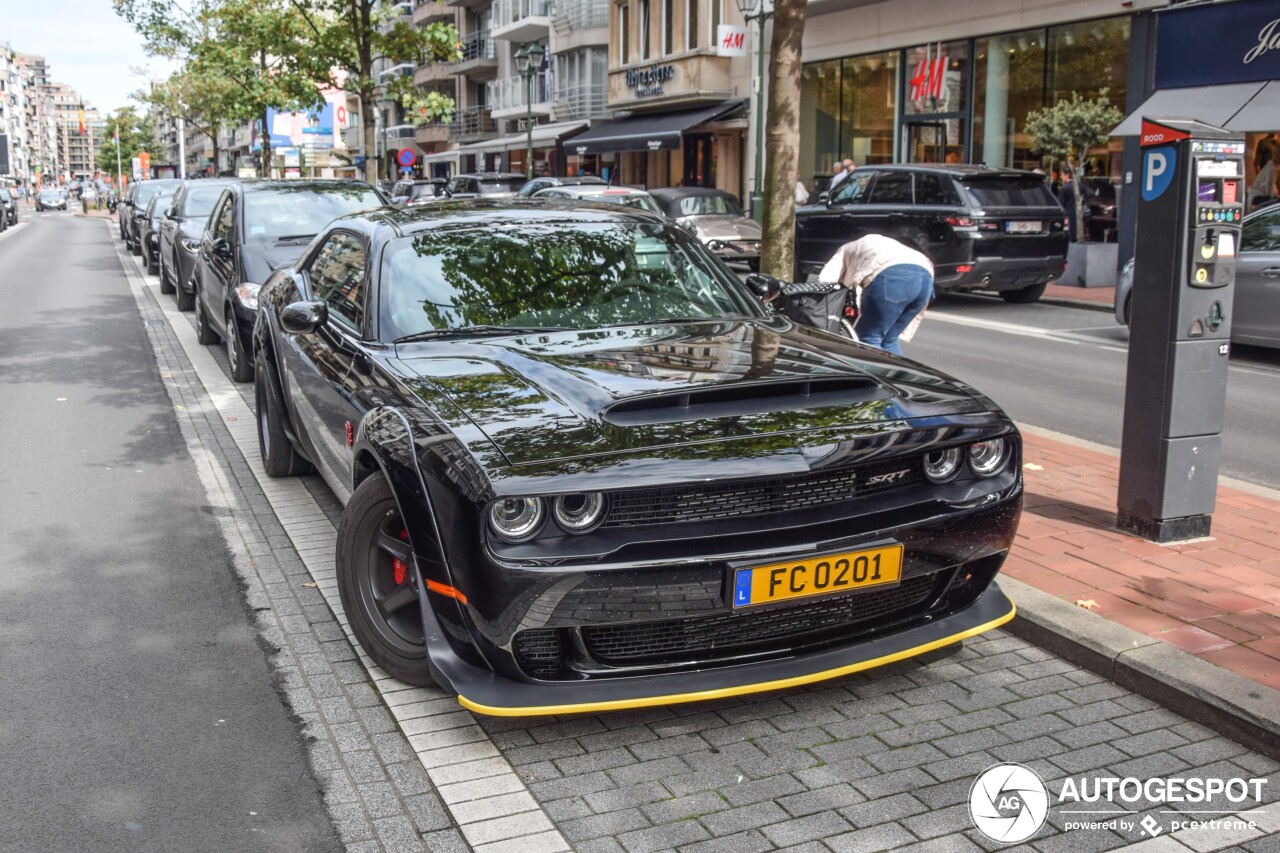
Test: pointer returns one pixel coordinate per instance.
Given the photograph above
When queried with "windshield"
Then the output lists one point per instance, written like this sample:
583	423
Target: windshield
709	205
421	191
553	274
501	186
147	191
287	212
200	201
51	194
1010	192
159	203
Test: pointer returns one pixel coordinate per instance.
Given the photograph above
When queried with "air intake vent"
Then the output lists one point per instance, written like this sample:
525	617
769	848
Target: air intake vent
746	398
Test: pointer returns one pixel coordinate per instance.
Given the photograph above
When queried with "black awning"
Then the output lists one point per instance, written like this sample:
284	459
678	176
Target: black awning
647	132
1215	105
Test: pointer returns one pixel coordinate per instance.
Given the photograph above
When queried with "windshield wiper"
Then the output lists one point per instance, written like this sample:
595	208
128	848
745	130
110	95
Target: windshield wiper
289	238
468	331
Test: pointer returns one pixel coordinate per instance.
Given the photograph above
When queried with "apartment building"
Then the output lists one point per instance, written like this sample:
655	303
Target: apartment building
29	148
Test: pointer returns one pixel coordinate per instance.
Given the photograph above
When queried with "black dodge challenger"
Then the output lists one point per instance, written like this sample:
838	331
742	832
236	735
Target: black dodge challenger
585	469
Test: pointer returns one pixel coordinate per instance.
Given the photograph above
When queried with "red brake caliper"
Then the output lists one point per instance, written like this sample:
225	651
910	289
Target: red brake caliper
398	568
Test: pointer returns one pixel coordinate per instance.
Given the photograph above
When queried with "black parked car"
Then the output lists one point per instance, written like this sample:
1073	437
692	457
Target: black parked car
255	227
134	208
9	198
149	229
532	186
583	469
984	229
180	234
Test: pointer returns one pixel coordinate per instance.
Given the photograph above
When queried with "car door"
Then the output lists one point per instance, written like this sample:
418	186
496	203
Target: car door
217	260
888	209
331	365
169	228
1256	310
937	212
823	229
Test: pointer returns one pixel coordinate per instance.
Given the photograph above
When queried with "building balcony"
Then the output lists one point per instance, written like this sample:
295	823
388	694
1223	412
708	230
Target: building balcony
402	11
431	134
479	57
404	69
400	133
351	137
469	4
581	103
436	72
521	20
508	98
583	14
472	124
433	11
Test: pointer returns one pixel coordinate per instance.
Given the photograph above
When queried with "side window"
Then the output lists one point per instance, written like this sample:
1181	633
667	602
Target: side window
1262	233
935	189
853	190
338	278
178	201
892	188
222	223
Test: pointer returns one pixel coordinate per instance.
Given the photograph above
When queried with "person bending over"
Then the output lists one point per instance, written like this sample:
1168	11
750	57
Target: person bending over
896	282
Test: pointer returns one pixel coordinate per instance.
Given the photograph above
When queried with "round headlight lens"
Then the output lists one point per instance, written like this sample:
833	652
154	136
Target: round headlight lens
942	465
579	513
987	458
516	519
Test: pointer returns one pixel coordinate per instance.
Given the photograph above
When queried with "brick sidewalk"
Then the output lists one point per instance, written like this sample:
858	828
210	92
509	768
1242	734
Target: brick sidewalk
1071	293
1218	599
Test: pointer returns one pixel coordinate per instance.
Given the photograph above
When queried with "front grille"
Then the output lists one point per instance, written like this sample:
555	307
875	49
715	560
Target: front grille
709	637
742	498
538	652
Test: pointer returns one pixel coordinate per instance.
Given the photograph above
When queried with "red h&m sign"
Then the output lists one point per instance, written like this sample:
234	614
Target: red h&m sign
928	80
731	40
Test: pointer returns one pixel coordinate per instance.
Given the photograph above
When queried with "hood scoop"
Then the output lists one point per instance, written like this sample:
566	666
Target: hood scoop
745	398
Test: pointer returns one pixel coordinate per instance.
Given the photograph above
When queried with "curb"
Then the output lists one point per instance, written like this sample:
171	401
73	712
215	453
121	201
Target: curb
1077	303
1230	704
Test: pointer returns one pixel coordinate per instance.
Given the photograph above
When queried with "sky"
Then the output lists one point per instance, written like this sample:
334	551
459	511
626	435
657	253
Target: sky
88	46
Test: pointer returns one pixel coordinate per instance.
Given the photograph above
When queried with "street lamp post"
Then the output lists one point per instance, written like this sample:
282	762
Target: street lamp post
749	14
529	62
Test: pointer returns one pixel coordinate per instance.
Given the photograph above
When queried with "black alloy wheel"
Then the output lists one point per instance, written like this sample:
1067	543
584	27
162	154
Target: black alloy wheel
149	261
186	297
1024	295
378	583
166	281
279	457
241	366
136	245
204	332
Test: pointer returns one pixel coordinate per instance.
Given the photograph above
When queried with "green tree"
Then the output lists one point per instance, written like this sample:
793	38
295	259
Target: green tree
127	133
782	139
1067	130
343	39
205	102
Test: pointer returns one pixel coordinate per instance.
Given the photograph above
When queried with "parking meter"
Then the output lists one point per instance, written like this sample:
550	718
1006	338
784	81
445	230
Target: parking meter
1190	208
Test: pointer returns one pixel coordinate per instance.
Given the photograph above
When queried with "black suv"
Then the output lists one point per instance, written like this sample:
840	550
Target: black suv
984	229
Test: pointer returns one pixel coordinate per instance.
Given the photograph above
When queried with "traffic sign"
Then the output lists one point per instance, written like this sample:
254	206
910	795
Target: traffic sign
407	157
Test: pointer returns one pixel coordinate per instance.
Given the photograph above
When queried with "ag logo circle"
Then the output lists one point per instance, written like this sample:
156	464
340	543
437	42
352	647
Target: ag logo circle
1008	803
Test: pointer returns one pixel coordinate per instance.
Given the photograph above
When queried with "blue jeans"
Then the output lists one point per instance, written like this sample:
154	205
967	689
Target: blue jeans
890	302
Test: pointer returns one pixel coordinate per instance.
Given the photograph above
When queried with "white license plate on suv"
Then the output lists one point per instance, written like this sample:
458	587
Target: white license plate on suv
1024	227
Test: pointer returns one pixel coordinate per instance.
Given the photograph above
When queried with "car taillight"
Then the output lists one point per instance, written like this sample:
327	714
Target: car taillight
960	221
965	268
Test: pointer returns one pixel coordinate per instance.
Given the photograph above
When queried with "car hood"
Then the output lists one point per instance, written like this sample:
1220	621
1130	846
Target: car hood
260	260
551	396
725	227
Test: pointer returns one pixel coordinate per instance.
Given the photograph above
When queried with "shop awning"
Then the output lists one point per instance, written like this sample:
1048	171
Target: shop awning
648	132
543	135
1235	106
449	156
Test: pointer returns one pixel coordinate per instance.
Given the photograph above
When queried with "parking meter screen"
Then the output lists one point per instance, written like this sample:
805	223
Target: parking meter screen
1207	191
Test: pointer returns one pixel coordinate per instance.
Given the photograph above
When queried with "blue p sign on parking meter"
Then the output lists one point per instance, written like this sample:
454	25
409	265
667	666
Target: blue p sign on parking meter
1158	166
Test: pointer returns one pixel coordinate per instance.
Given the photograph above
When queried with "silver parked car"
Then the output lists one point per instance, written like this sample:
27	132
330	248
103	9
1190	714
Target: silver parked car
1256	313
716	218
603	195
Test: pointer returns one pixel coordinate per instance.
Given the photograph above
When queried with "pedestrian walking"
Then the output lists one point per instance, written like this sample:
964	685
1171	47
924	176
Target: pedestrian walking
896	282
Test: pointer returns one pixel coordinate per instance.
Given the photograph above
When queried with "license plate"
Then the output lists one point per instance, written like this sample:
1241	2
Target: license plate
1024	227
754	585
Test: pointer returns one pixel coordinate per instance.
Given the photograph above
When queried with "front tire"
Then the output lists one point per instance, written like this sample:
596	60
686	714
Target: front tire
1024	295
166	280
241	366
279	457
186	300
204	332
377	580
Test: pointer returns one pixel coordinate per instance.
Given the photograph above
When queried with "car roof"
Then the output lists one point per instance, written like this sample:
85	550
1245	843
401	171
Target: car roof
665	193
491	176
958	170
593	189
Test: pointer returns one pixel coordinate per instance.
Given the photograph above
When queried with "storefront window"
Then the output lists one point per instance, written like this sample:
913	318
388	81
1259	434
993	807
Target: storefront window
1089	57
869	86
937	78
819	121
1009	84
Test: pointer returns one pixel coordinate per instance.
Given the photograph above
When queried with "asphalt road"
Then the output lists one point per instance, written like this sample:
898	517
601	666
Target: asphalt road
1064	369
137	710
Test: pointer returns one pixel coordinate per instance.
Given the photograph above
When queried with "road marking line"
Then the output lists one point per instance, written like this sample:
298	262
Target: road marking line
464	765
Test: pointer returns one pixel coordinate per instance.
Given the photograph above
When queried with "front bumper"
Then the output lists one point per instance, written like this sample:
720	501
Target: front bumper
485	692
999	273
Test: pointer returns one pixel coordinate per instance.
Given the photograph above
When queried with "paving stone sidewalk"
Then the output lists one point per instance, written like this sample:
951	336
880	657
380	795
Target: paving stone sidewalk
1218	599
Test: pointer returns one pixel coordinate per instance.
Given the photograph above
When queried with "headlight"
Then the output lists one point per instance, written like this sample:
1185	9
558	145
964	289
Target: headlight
987	458
516	519
247	293
942	465
579	513
190	245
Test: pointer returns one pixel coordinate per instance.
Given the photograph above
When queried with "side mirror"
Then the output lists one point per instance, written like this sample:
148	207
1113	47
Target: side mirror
171	213
824	197
222	248
303	318
766	287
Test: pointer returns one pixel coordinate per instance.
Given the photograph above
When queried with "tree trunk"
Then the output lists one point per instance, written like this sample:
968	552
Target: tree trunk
266	126
369	130
217	160
1082	235
782	140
